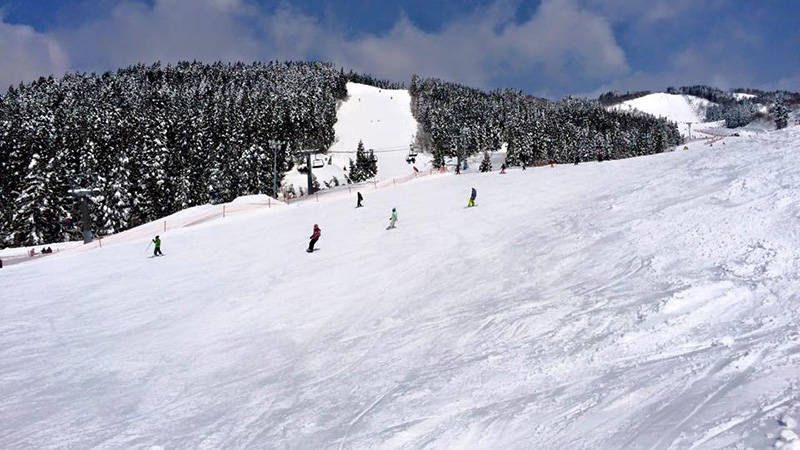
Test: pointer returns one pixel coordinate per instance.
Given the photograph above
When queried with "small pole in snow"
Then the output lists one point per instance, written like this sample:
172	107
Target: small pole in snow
274	145
223	211
308	165
165	226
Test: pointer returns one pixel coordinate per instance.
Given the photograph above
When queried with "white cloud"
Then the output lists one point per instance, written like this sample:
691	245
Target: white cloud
790	83
170	30
472	49
26	55
650	11
475	48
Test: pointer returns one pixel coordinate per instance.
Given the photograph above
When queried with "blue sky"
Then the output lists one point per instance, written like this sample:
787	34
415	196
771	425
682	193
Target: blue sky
550	48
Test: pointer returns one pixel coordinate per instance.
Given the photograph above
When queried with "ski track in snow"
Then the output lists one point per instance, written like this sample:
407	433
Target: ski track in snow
649	303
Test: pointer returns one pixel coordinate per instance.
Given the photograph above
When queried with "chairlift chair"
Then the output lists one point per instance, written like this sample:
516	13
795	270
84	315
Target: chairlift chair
412	154
318	162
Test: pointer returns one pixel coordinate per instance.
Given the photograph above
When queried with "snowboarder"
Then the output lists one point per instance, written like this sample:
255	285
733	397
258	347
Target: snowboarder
314	238
360	199
393	219
157	250
472	198
503	169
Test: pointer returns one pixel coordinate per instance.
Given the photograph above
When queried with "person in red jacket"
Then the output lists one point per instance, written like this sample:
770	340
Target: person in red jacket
314	238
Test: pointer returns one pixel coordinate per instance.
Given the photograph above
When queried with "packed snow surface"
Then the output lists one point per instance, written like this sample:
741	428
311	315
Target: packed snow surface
649	303
382	119
682	109
743	96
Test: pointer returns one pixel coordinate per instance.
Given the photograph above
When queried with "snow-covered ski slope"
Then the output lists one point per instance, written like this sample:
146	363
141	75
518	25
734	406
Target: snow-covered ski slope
648	303
682	109
382	119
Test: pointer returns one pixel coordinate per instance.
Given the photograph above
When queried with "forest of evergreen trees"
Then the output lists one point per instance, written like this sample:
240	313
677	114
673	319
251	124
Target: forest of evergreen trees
614	98
153	140
157	139
457	121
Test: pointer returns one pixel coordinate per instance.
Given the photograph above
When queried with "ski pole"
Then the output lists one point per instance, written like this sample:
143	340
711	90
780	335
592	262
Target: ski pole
148	247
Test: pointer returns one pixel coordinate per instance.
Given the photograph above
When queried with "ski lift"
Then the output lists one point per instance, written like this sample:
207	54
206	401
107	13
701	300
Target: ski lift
318	162
412	154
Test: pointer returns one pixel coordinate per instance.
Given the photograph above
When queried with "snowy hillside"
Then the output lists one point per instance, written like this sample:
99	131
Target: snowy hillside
681	109
743	96
382	119
646	303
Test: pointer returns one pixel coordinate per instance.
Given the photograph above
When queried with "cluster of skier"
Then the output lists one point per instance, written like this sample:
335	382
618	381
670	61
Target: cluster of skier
317	233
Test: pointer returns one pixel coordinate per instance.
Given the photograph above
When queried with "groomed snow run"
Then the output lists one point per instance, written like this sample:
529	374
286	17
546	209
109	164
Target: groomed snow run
743	96
682	109
648	303
382	119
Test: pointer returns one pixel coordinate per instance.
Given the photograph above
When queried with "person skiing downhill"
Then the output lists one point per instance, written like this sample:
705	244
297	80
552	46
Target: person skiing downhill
503	168
314	238
360	199
157	250
393	219
472	198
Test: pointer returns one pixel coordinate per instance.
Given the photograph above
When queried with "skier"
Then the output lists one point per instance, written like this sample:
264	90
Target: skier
577	160
360	199
472	198
393	219
503	169
157	250
314	238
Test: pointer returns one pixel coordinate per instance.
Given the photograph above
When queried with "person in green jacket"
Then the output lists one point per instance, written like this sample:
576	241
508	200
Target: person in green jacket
157	251
393	219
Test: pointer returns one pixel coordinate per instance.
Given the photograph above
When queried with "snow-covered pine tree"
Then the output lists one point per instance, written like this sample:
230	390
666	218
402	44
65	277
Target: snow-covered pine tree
486	163
781	114
353	174
315	183
37	219
364	167
368	162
